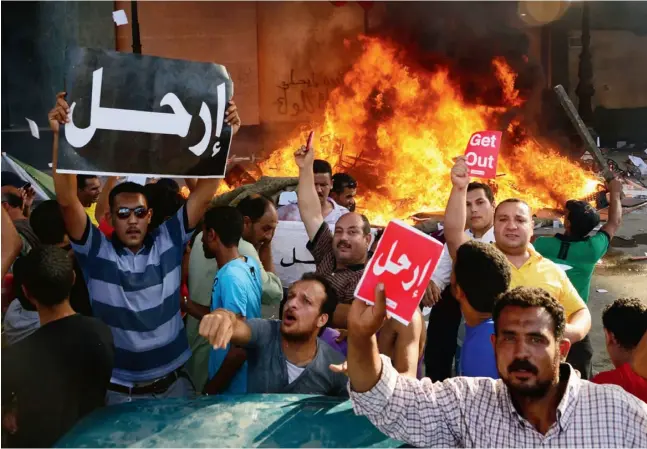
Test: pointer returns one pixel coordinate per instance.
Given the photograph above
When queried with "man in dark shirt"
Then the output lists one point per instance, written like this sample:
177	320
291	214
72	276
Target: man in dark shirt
60	373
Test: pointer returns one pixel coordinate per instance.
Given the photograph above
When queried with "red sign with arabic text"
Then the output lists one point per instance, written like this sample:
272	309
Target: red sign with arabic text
403	261
482	153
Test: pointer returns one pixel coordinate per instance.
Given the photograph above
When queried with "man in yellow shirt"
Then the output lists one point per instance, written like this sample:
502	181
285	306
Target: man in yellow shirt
88	191
513	228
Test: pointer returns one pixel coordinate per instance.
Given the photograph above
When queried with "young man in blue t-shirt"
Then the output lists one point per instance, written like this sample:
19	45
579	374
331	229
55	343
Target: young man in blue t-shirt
237	288
481	273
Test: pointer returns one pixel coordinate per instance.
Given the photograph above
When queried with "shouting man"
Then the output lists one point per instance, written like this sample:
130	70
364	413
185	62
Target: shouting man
285	356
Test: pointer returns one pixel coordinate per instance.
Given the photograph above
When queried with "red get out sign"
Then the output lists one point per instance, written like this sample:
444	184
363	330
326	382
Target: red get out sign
482	153
404	261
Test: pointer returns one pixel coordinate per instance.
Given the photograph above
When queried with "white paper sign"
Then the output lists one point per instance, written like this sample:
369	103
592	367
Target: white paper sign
291	257
120	17
33	127
137	179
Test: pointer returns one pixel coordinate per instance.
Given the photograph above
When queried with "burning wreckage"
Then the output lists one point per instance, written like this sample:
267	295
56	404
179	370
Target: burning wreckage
397	131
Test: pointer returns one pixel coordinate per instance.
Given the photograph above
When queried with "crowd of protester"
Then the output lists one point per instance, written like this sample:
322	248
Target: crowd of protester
124	292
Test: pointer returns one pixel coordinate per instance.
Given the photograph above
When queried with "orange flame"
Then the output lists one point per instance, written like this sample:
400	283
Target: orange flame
397	132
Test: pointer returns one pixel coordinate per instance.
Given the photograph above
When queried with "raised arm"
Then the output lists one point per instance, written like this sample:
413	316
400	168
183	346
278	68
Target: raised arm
455	212
406	409
74	215
203	191
615	209
309	205
103	203
11	243
222	327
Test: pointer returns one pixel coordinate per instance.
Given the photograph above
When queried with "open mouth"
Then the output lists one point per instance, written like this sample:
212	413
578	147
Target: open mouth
289	318
343	246
133	232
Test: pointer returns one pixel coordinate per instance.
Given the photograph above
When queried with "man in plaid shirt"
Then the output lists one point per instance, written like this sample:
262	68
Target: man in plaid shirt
538	401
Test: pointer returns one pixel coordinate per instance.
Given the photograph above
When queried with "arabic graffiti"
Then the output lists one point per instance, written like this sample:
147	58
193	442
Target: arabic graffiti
295	260
402	264
176	123
306	95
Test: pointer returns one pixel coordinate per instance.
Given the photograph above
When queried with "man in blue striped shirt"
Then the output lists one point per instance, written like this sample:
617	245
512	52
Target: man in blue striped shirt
134	279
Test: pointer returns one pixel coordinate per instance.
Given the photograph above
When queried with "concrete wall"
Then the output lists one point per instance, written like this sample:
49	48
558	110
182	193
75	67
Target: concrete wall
619	68
264	45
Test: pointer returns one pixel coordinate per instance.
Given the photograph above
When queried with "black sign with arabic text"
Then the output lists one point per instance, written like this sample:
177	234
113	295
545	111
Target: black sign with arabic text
137	114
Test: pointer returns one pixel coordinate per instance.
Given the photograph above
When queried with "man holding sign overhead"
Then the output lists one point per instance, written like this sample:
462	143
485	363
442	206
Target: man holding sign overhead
513	228
134	279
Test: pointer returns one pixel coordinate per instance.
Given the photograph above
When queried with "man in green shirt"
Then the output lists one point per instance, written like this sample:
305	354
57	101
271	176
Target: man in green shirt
577	253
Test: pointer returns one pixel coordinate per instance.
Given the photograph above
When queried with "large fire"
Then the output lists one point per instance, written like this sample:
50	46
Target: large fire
397	130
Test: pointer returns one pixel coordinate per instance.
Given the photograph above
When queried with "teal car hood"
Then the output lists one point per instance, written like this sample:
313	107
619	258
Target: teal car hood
255	420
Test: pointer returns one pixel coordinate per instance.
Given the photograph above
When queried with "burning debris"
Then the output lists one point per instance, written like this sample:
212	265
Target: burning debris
397	129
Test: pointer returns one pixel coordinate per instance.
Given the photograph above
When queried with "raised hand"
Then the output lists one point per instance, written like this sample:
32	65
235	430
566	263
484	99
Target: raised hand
59	114
304	157
365	320
460	173
218	327
232	118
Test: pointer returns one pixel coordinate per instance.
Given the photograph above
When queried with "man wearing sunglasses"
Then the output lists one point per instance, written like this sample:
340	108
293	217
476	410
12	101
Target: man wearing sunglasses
134	278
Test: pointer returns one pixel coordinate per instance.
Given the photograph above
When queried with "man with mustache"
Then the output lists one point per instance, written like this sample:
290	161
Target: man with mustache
445	315
344	189
513	229
134	278
341	257
538	401
285	356
331	211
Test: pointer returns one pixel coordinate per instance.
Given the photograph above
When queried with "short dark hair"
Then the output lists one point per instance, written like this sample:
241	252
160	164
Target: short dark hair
483	273
342	180
321	166
626	319
169	183
486	188
48	275
227	222
18	281
582	217
46	220
511	200
328	306
253	206
528	297
12	200
164	202
81	180
126	187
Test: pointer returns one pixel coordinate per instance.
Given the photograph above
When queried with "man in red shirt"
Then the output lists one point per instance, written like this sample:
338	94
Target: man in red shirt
625	323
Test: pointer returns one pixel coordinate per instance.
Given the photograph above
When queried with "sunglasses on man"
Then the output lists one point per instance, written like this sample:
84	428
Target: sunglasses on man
124	213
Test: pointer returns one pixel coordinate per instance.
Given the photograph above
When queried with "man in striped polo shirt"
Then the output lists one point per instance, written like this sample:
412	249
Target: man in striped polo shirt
134	279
